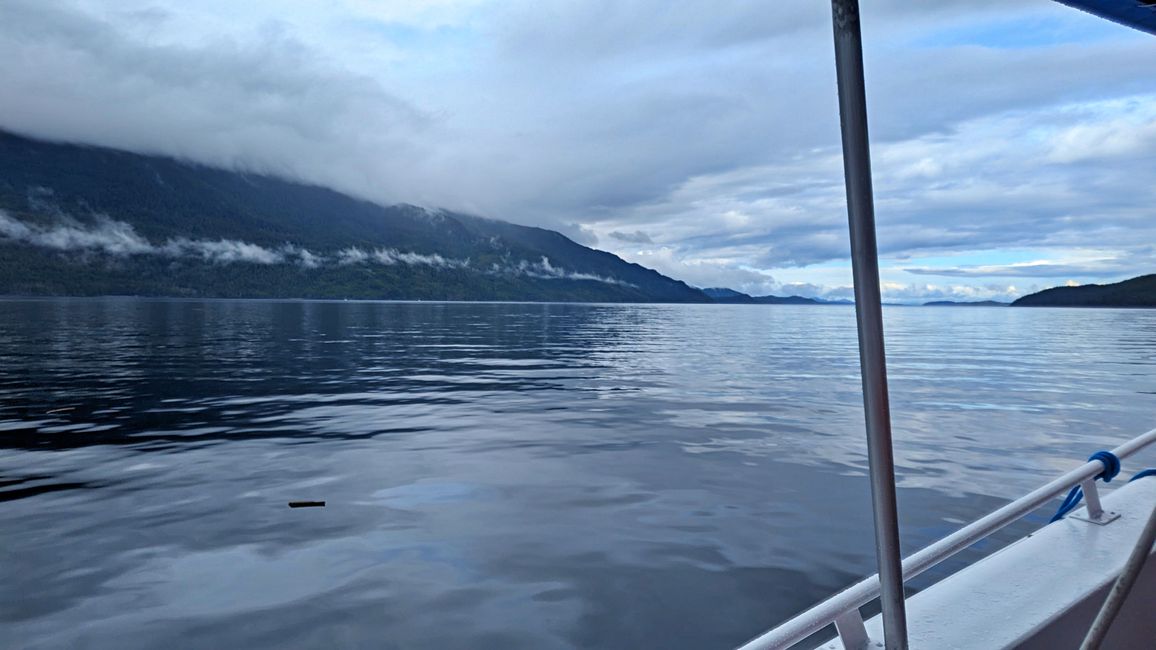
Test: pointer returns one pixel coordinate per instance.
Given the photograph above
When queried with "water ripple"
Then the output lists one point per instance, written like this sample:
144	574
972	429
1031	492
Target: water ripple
507	475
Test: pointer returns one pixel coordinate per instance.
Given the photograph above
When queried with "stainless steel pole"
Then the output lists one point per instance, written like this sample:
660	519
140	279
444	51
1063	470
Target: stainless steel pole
869	312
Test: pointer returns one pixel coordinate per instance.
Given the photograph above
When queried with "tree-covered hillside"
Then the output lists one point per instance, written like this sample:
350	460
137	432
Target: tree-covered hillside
1137	292
78	220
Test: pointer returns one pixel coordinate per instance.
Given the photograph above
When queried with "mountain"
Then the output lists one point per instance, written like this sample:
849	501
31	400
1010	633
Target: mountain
786	300
730	296
80	220
1137	292
974	303
721	294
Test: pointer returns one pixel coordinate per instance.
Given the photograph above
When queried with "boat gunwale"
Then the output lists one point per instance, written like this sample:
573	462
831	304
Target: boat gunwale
812	620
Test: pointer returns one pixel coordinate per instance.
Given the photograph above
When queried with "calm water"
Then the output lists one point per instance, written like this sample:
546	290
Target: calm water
506	476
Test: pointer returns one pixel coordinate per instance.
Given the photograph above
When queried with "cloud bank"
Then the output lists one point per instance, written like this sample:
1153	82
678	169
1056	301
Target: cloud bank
118	238
543	269
392	256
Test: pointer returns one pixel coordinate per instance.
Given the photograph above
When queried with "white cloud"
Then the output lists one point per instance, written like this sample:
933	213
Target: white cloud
352	255
543	269
223	251
121	239
115	237
1115	129
919	293
392	256
704	272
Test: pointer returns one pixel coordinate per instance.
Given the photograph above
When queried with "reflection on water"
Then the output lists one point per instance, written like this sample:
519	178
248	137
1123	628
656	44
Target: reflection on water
506	475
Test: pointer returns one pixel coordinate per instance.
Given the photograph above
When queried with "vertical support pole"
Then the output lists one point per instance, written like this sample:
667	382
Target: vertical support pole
852	631
1092	496
1095	513
869	313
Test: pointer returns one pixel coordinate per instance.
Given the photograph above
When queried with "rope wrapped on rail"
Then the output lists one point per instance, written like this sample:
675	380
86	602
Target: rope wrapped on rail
1111	465
1111	470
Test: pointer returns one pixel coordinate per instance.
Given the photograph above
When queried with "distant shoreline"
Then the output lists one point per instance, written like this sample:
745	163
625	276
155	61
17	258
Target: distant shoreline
48	297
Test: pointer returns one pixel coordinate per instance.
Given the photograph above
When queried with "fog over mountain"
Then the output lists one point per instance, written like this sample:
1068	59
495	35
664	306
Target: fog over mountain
1015	143
183	229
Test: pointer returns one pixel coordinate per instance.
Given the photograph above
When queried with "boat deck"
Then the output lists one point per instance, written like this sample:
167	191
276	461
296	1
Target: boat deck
1042	591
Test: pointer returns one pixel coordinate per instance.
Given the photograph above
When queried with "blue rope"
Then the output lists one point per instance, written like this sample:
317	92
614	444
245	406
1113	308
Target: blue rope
1069	504
1111	465
1111	469
1142	474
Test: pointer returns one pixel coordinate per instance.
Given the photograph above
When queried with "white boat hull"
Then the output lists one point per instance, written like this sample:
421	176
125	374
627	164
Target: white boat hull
1043	591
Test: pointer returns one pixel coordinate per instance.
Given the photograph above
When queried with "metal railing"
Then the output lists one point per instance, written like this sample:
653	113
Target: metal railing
842	608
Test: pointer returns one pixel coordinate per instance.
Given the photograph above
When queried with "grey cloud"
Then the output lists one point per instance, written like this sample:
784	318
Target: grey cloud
805	289
584	30
984	190
1028	270
573	30
268	105
636	237
579	233
641	125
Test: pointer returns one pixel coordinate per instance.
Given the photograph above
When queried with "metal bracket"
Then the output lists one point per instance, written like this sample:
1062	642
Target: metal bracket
852	631
1095	513
1106	517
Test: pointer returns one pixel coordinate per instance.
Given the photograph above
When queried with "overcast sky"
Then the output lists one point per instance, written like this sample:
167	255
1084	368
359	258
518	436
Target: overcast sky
1014	140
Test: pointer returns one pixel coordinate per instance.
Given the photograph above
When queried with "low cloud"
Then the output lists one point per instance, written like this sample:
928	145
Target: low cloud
113	237
392	256
352	255
224	251
546	271
120	239
305	257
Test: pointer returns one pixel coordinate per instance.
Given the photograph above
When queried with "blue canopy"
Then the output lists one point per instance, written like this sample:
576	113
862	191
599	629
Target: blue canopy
1140	14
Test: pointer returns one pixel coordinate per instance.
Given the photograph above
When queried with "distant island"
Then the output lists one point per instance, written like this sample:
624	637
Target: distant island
1136	292
730	296
974	303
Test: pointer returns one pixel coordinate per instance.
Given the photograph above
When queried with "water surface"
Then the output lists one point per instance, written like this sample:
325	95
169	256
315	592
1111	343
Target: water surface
507	475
